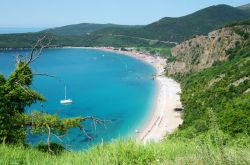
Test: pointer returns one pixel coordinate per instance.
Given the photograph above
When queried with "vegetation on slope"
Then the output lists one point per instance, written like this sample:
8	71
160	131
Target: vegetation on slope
182	28
81	29
15	41
163	51
245	8
170	151
223	91
152	35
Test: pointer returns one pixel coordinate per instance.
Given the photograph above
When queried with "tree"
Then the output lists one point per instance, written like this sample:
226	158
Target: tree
16	94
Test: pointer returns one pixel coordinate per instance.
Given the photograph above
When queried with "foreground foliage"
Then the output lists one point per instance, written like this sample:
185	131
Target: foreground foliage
169	151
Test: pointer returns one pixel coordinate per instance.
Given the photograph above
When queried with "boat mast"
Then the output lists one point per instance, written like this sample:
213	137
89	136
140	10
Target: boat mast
65	92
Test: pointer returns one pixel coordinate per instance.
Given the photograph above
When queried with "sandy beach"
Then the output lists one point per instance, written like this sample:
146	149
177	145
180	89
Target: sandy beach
163	118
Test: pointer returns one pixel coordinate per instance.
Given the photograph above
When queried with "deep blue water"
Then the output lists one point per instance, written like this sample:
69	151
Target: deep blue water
102	84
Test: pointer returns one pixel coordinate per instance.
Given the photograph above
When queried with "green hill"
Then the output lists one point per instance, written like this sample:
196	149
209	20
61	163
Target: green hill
200	22
182	28
157	34
245	8
223	92
215	82
82	29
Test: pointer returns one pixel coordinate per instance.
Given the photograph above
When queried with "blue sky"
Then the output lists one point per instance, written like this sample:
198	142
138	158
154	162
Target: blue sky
52	13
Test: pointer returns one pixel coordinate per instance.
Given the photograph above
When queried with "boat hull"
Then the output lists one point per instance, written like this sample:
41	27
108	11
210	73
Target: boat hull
68	101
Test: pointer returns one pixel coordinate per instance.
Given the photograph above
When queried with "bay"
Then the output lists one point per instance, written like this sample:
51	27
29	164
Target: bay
106	85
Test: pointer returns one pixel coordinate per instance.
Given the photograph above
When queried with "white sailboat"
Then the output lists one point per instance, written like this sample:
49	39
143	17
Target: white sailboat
66	101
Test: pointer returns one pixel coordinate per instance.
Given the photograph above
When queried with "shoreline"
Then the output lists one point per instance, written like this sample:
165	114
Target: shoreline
162	119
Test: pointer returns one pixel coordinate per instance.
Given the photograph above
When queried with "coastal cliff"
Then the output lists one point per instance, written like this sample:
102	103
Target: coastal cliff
214	74
203	52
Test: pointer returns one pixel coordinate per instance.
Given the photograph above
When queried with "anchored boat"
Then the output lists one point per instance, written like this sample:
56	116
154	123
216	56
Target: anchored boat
66	101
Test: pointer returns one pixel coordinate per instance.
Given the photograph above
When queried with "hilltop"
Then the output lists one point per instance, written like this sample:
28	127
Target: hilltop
245	8
83	29
163	33
166	29
182	28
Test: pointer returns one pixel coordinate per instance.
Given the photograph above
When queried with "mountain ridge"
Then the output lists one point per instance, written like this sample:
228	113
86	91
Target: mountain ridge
197	23
82	28
157	34
245	7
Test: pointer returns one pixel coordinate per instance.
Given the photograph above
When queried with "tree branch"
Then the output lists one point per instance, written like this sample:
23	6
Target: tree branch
48	139
35	51
84	132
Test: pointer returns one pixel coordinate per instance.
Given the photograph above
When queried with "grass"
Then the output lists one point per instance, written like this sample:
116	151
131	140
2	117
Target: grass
128	152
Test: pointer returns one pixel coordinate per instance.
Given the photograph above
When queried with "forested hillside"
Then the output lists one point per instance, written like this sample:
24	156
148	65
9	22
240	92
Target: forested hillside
182	28
245	8
219	94
163	33
83	28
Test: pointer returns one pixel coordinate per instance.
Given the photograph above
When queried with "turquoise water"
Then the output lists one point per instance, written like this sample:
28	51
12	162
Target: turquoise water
102	84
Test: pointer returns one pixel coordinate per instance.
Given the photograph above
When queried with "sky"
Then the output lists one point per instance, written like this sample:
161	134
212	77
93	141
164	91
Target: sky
54	13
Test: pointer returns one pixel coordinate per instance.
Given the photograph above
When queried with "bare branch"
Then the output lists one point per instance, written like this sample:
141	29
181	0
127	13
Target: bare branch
94	125
48	140
57	137
38	74
99	121
84	132
52	129
46	75
36	51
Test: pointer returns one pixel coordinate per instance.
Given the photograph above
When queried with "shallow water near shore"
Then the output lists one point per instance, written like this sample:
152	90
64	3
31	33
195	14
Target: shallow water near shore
102	84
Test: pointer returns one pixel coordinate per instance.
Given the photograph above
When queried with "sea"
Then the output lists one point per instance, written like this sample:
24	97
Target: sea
113	87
